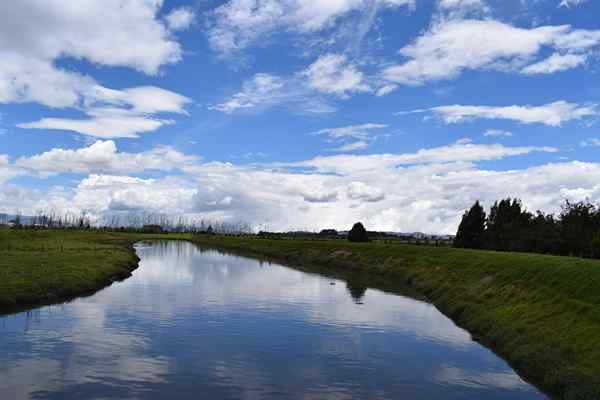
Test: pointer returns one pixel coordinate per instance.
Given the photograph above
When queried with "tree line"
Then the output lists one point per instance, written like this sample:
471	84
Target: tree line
508	226
131	222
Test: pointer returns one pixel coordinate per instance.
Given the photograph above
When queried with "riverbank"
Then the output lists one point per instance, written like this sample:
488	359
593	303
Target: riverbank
40	267
540	313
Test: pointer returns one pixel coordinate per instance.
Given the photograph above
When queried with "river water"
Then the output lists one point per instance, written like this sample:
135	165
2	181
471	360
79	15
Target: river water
198	324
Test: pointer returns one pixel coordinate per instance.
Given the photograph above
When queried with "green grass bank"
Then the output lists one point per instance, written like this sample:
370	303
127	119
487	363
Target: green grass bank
47	266
540	313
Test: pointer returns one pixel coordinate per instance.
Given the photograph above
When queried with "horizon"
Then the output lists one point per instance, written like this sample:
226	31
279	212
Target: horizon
297	114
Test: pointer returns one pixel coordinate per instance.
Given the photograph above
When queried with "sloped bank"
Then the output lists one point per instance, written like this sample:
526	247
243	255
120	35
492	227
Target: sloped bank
540	313
39	267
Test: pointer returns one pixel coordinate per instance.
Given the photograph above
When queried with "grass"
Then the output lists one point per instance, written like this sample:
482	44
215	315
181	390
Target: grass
541	313
45	266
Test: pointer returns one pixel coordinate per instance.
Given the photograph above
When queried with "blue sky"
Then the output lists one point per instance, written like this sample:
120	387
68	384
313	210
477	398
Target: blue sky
298	114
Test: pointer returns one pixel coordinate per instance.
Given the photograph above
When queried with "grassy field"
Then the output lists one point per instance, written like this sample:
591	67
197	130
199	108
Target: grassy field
45	266
541	313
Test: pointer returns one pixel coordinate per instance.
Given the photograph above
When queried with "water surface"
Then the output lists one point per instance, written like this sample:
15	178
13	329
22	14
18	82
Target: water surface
193	323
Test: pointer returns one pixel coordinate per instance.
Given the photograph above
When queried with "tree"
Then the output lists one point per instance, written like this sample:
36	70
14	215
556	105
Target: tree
579	224
509	227
358	233
596	246
471	229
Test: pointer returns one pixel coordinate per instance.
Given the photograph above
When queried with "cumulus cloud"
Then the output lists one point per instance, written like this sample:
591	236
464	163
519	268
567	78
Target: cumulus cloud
180	18
99	194
552	114
103	157
362	192
423	191
34	35
333	74
320	196
238	24
448	48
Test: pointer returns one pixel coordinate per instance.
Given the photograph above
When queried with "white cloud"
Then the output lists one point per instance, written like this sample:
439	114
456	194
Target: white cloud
118	113
362	192
102	124
332	74
461	151
360	135
352	146
34	34
306	91
423	191
591	142
103	157
105	193
571	3
462	8
180	19
556	62
7	171
102	32
261	89
452	46
141	99
552	114
453	4
320	196
385	89
238	24
497	133
362	131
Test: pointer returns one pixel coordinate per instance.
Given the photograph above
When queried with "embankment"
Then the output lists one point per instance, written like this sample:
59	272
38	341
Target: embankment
40	267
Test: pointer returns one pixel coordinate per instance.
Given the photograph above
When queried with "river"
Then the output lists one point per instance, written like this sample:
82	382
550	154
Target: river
193	323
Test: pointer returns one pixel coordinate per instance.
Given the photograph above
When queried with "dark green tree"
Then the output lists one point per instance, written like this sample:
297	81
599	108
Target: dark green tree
544	234
358	233
508	226
579	223
596	246
471	229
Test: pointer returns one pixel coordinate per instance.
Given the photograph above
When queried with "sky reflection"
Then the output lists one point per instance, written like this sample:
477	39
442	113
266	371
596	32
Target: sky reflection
193	322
